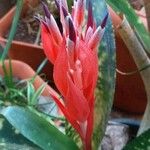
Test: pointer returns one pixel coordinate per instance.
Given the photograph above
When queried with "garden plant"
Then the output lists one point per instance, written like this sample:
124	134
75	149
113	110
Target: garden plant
82	51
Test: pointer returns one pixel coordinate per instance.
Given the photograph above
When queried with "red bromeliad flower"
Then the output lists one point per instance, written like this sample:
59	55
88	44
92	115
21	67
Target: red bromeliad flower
74	55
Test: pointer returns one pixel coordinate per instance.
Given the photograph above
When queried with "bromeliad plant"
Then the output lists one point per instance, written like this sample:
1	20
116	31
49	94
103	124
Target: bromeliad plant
73	49
74	55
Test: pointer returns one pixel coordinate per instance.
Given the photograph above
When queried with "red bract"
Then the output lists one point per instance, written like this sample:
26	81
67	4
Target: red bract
74	55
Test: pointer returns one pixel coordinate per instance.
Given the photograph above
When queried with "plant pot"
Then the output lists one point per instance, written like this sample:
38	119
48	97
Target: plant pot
5	5
130	95
23	71
29	53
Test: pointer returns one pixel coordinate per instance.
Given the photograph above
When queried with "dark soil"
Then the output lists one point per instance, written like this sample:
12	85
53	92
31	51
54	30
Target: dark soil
23	33
28	26
5	6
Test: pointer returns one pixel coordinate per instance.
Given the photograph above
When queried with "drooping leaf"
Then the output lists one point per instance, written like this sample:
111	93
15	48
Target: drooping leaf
35	96
106	81
123	6
39	69
11	139
37	129
141	142
30	92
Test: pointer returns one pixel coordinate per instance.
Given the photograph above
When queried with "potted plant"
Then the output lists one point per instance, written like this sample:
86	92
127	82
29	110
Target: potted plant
77	100
19	93
22	50
25	73
130	95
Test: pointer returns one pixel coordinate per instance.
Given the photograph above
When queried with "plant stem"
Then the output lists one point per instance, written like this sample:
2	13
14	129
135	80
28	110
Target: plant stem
13	29
147	10
141	59
38	37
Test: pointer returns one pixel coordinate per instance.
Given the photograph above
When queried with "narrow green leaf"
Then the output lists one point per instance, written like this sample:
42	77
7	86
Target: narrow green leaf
37	129
13	29
16	93
11	139
106	80
141	142
30	92
40	67
34	98
123	6
8	77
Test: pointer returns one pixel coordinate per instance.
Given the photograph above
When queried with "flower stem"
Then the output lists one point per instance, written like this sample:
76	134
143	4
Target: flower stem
141	59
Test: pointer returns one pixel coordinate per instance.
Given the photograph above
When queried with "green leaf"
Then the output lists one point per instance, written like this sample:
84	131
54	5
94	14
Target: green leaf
106	81
34	98
30	92
8	77
122	6
37	129
141	142
13	29
15	93
11	139
40	67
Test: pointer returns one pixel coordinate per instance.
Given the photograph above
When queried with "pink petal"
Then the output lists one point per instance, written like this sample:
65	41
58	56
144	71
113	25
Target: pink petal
88	34
76	103
78	13
90	16
60	71
63	3
48	45
96	37
90	123
55	32
89	62
89	91
67	115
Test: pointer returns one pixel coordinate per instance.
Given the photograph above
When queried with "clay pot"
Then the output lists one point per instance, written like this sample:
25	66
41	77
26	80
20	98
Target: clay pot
130	95
23	71
5	5
28	53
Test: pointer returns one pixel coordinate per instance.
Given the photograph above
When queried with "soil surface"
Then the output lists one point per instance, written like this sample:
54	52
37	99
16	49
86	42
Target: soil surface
28	26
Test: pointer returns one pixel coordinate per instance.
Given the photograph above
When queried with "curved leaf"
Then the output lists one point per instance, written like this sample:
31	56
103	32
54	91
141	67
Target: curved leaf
37	129
19	6
141	142
123	6
10	139
106	80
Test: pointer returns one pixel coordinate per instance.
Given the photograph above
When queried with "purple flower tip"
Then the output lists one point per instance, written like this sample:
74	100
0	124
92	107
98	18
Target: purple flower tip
90	15
64	11
47	13
57	4
103	24
72	33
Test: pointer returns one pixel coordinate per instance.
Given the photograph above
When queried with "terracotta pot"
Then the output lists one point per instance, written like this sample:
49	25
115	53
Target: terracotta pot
28	53
5	5
23	71
130	95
